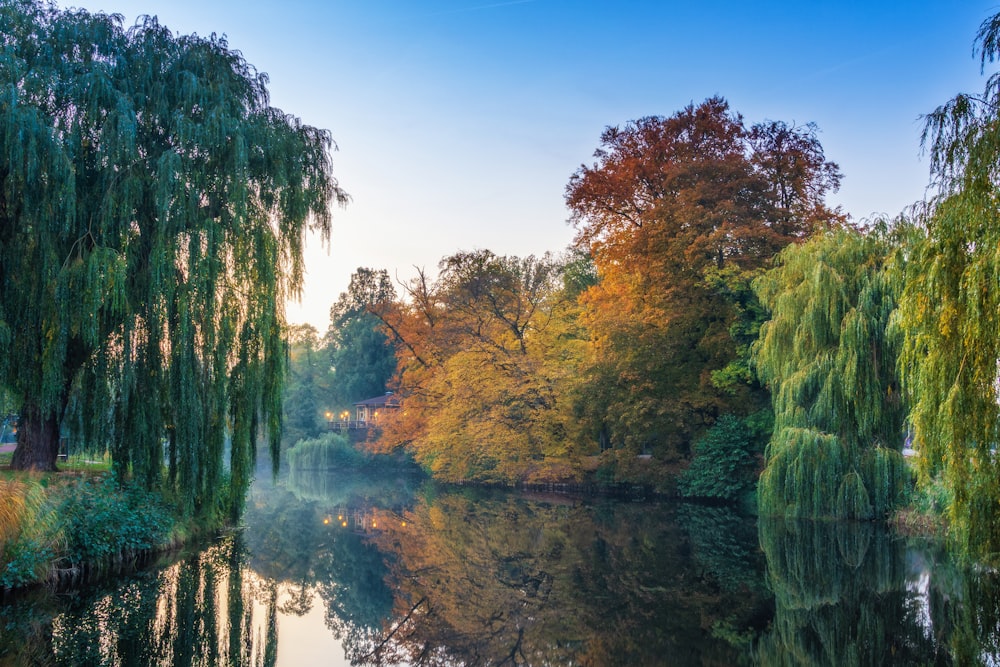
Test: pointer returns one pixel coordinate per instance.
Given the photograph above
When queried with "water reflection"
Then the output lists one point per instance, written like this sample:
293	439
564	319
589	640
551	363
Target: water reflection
385	571
851	594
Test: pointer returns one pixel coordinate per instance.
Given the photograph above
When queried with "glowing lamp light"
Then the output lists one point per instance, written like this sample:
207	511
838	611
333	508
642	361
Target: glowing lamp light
344	524
326	521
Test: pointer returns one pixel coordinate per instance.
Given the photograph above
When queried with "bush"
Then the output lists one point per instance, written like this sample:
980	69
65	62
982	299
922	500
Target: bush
102	521
723	462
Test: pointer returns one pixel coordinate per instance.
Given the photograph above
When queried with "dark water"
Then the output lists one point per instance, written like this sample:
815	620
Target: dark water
352	571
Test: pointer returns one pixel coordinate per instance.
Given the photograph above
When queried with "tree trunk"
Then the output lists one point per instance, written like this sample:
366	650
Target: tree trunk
37	441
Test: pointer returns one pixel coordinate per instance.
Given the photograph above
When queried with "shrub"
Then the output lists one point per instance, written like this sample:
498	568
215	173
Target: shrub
102	520
28	537
723	462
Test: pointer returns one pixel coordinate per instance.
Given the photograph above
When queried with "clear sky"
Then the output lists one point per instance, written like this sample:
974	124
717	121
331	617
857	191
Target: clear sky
459	122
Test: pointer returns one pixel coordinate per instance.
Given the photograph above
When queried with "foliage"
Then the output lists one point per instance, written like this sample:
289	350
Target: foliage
29	539
486	357
152	215
307	388
723	464
103	521
950	311
679	214
361	351
363	359
330	451
830	363
88	522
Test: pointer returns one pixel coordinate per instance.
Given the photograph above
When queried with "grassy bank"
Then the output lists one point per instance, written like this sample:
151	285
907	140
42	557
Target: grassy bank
64	527
925	512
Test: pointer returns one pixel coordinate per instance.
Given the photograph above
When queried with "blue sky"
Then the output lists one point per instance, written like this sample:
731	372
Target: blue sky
459	122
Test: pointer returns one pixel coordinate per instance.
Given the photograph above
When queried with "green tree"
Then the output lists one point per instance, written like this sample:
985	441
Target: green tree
723	467
950	309
361	351
152	213
830	362
307	387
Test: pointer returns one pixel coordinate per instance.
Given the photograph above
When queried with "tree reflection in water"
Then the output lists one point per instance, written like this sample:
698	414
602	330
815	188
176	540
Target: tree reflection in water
439	577
198	611
850	594
488	579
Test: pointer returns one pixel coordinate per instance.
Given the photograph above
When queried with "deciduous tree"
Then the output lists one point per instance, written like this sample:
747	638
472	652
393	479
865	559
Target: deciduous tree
679	214
481	370
153	207
950	309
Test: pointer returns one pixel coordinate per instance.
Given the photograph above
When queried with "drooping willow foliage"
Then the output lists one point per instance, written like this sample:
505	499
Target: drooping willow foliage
153	208
950	311
831	366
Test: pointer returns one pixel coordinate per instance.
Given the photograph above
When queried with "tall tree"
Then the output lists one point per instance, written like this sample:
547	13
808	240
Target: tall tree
830	362
152	214
480	369
679	214
307	386
950	309
361	352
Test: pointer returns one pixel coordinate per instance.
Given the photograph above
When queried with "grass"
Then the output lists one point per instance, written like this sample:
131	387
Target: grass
78	463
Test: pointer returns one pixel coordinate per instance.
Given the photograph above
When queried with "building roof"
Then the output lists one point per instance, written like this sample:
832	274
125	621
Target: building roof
383	401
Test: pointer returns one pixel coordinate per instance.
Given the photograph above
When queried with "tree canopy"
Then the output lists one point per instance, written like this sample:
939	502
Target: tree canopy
153	208
830	362
950	309
482	366
360	351
679	213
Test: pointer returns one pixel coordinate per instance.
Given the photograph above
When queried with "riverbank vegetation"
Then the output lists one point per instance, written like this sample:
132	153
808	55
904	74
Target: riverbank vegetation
714	320
64	529
153	209
710	284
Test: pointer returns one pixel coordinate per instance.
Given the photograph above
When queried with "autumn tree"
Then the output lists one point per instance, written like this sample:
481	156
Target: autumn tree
153	207
679	214
478	373
829	358
950	309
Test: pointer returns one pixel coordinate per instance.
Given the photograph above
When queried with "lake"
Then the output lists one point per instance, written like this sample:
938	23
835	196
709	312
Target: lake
351	570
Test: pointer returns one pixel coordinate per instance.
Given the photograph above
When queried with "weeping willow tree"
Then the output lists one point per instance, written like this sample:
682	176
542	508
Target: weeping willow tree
950	310
831	367
153	209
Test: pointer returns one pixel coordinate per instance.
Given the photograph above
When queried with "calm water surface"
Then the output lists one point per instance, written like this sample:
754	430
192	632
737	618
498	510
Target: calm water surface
334	570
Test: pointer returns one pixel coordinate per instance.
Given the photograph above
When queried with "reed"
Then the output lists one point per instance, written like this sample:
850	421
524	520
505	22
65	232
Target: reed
31	537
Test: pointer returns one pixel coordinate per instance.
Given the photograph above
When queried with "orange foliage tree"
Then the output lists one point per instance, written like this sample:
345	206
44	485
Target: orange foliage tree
480	372
679	214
